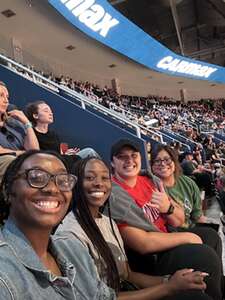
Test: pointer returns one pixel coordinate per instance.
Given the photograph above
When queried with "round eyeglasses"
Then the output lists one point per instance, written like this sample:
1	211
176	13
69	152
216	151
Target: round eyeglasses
166	161
39	179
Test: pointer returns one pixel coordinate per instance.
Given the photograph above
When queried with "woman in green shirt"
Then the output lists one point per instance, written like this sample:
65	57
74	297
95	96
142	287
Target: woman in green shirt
184	191
180	188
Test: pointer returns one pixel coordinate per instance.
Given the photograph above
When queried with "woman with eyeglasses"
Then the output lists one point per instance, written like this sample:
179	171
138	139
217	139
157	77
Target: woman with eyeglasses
16	132
35	195
101	237
182	189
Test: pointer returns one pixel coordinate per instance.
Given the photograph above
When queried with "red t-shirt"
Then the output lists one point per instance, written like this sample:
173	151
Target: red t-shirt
141	193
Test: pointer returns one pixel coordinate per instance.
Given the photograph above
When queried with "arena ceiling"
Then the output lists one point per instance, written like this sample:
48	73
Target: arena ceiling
194	28
43	36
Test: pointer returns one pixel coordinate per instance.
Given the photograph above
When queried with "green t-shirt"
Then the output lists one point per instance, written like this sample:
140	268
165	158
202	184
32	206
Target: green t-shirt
186	193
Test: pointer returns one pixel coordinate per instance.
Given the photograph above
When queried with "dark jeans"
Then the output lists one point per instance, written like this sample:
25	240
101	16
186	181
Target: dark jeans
189	295
209	237
195	256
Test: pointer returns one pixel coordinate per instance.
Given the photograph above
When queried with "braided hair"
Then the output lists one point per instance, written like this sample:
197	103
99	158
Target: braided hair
9	177
82	212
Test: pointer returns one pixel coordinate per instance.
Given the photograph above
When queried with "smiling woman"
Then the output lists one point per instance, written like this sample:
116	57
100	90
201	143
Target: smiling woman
36	192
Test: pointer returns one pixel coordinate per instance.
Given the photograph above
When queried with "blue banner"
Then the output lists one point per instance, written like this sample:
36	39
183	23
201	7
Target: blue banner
99	20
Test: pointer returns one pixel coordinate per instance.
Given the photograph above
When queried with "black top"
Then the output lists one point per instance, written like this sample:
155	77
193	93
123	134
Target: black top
48	141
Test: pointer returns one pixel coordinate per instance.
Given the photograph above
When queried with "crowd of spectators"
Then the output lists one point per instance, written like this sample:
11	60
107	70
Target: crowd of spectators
165	109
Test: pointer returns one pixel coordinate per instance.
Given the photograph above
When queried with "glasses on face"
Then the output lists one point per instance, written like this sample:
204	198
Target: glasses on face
39	179
159	162
125	157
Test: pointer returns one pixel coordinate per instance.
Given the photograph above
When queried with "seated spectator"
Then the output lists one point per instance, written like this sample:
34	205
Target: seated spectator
200	174
101	237
217	157
36	192
178	149
184	191
41	116
16	132
198	155
143	210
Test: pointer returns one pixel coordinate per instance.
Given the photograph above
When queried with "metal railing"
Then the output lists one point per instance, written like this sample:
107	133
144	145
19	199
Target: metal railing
46	83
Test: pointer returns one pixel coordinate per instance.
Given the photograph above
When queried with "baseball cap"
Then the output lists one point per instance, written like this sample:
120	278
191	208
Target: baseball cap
117	147
188	153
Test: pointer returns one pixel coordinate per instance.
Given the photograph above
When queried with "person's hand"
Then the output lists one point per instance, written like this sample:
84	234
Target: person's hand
160	199
190	238
19	115
201	168
19	152
187	279
72	151
196	171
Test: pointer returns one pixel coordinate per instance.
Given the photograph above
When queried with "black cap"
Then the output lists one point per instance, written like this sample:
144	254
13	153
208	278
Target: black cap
116	148
188	152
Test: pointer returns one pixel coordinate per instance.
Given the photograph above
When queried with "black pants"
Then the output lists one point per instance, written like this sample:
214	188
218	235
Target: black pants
189	295
209	237
195	256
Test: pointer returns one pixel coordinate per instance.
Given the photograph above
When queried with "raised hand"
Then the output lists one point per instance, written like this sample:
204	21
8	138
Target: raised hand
72	151
19	115
160	199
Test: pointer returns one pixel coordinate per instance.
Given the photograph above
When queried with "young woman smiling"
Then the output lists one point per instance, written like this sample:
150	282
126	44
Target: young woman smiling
180	188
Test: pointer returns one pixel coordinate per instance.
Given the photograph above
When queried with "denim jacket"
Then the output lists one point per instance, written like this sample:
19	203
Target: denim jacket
24	277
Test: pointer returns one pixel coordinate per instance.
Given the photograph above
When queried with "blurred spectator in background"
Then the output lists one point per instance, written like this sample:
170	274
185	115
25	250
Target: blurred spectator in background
16	132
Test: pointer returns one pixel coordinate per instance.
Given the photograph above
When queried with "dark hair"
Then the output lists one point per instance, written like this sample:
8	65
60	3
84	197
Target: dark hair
9	177
3	84
82	212
173	155
31	109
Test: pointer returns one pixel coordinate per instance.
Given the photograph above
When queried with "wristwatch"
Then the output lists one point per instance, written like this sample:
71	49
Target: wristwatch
166	278
170	209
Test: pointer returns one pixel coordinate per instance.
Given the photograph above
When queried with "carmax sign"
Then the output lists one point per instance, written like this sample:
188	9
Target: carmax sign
99	20
92	15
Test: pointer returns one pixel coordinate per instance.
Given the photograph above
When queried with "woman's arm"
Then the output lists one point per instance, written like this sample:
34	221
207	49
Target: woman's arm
10	151
182	280
143	280
30	140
